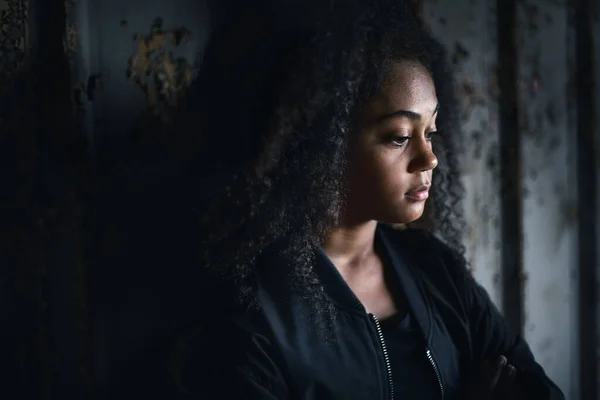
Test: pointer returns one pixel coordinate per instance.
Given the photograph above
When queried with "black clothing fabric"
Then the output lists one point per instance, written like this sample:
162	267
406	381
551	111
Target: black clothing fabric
277	354
413	375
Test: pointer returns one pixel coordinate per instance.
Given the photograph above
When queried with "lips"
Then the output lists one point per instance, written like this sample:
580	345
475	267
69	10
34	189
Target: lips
419	194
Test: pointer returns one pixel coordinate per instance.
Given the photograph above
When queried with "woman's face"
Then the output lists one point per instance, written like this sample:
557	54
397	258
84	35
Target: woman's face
391	158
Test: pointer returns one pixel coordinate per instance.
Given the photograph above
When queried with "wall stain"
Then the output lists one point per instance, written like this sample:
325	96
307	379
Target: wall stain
493	85
476	139
550	112
157	72
545	345
460	54
532	13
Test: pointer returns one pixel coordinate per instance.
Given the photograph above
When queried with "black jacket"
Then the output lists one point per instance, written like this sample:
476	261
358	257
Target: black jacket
276	353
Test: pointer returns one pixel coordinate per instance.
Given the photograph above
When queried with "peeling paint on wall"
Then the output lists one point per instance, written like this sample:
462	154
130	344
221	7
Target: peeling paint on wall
157	72
134	61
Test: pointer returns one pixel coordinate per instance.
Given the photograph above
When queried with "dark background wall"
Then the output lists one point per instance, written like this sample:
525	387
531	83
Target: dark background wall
85	233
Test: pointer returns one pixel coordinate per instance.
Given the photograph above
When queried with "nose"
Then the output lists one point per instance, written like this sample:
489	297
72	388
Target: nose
423	158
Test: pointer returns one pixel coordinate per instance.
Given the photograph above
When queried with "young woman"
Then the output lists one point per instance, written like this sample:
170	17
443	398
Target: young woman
325	135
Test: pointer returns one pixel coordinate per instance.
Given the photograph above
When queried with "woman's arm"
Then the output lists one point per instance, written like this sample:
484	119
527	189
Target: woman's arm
492	337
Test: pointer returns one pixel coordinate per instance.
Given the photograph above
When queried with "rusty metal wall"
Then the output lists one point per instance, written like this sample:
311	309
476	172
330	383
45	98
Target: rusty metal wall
584	18
133	60
546	263
17	291
549	197
467	29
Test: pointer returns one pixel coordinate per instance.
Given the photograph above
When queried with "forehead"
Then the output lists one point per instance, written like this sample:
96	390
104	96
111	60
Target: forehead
408	86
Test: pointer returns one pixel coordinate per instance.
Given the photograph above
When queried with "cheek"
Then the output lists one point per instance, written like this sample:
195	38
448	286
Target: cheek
382	175
391	167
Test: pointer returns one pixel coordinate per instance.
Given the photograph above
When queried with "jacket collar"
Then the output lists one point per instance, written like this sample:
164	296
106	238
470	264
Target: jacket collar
400	260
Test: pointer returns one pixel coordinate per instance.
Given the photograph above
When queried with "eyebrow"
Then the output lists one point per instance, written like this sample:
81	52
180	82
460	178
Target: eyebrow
407	114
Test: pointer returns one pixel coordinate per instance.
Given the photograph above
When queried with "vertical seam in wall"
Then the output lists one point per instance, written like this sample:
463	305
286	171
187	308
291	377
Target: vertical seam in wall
510	167
586	198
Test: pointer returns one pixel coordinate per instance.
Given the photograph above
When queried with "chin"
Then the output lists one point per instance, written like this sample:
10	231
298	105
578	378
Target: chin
405	214
400	219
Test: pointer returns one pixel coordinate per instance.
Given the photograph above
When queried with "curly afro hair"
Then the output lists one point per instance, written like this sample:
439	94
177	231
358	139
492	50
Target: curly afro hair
275	101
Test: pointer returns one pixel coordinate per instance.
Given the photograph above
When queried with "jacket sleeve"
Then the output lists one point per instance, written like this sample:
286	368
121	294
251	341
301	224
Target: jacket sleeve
230	362
492	337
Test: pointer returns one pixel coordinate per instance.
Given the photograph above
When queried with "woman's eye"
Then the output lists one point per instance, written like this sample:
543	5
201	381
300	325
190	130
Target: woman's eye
431	134
399	140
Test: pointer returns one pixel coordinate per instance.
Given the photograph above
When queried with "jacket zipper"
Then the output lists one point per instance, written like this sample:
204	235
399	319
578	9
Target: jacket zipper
436	370
386	356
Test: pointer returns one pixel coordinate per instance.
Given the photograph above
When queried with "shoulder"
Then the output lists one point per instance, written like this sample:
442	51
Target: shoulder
433	260
424	247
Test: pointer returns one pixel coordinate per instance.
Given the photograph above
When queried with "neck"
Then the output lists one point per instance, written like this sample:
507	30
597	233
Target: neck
348	244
